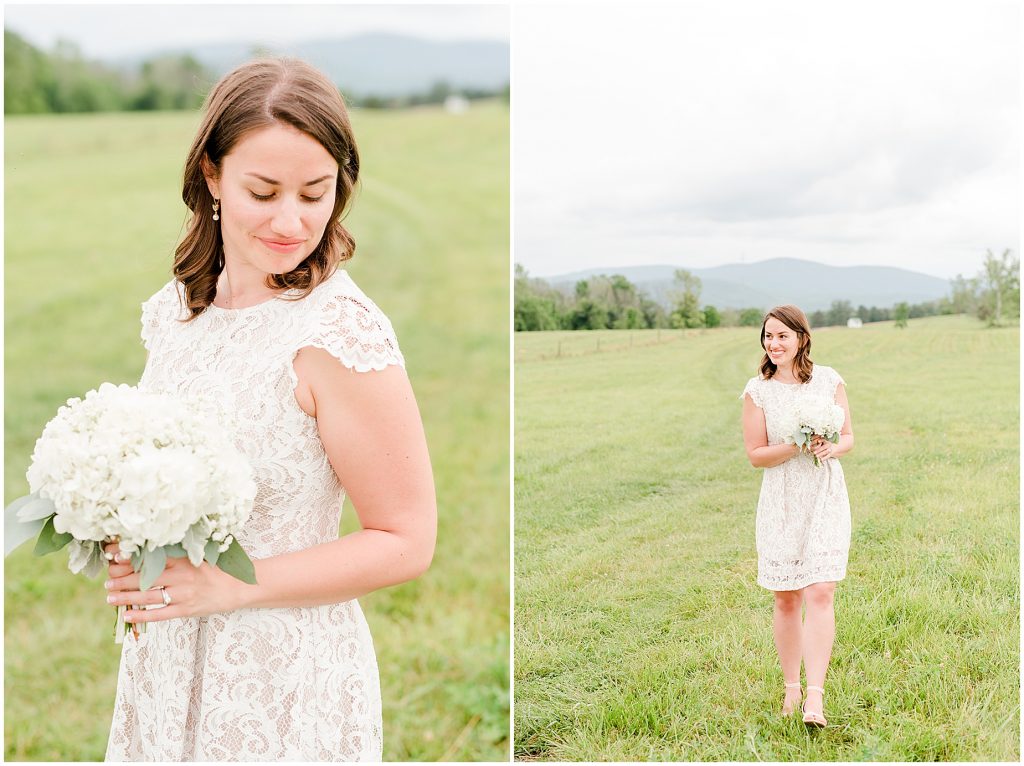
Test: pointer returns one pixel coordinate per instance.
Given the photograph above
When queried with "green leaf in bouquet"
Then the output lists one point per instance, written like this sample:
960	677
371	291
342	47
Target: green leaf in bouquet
175	550
236	562
212	552
137	560
153	563
36	508
60	539
17	531
96	561
50	540
86	557
834	438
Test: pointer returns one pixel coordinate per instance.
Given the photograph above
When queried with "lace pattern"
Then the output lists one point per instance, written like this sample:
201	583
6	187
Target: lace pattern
260	684
803	511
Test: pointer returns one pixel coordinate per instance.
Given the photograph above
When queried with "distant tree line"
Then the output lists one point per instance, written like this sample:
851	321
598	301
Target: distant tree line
438	93
64	81
613	302
36	82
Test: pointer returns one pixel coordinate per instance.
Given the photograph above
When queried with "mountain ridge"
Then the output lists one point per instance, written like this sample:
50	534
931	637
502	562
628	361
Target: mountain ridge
809	284
372	63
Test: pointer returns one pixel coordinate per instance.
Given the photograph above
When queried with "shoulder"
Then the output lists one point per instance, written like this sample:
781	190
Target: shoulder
345	322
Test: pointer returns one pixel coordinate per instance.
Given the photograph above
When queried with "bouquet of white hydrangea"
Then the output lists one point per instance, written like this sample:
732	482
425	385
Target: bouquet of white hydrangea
153	472
816	417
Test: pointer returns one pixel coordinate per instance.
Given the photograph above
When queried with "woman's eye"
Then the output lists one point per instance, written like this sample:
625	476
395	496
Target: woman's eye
265	197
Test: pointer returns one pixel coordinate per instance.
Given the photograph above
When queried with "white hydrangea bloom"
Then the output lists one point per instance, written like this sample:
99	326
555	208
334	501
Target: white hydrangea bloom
821	416
148	468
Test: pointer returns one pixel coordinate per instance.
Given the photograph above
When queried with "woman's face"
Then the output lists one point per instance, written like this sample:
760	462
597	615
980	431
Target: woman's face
276	188
780	342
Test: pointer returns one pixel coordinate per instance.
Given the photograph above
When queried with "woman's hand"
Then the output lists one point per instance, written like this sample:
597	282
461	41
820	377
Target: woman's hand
195	591
822	448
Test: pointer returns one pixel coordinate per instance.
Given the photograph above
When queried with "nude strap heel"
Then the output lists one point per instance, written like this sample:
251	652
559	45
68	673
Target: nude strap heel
810	717
794	685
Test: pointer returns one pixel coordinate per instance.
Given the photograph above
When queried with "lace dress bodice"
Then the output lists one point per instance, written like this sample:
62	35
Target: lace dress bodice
803	511
259	684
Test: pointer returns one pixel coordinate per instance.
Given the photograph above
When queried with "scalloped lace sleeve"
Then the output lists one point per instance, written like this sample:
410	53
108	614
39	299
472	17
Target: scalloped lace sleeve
352	329
160	307
834	379
753	388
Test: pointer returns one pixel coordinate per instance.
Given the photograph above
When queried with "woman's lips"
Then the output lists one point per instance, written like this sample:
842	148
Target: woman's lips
282	246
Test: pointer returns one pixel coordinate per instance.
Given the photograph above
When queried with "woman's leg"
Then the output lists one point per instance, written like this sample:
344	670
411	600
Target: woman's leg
819	633
786	625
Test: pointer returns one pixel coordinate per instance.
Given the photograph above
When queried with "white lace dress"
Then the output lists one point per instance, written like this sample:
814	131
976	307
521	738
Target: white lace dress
281	684
803	513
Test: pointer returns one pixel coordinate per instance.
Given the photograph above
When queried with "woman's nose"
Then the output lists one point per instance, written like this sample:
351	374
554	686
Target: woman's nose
286	221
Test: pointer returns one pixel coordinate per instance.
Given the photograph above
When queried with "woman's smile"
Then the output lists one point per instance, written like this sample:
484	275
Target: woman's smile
283	246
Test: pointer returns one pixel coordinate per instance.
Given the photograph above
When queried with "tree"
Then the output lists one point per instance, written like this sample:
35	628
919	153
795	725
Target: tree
901	311
28	77
653	312
588	315
840	312
1001	277
711	317
687	300
537	305
751	317
965	295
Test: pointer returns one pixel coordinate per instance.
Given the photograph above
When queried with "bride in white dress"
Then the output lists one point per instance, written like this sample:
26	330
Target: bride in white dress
260	318
803	512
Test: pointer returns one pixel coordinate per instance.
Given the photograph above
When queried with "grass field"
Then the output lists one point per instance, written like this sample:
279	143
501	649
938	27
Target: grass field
93	212
640	633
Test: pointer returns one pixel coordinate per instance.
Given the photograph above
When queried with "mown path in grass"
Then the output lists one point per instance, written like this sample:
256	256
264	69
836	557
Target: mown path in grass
93	214
640	633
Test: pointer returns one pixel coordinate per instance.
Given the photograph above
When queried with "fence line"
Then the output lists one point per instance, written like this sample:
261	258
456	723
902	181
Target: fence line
581	347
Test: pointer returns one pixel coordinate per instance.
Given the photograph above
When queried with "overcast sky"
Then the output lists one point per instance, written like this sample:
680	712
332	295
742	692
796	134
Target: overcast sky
141	28
713	133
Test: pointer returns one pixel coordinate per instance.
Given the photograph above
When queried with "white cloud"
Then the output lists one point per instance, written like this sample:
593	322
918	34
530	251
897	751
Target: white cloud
114	30
703	134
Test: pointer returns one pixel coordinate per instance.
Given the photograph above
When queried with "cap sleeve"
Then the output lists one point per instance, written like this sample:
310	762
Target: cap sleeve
351	328
160	308
837	379
753	388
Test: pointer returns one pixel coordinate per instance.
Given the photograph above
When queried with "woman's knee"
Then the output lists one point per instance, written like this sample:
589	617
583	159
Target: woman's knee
820	595
788	601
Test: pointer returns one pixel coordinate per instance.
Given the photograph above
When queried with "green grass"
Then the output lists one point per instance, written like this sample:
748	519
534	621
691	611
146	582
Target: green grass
640	633
93	212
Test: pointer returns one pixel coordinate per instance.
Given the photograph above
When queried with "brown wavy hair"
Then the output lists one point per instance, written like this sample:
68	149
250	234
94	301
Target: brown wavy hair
795	320
256	95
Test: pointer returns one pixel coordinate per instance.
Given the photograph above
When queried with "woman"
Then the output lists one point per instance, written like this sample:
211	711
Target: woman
803	513
260	319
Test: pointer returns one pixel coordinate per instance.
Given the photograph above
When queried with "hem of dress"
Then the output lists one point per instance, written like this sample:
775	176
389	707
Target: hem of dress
804	584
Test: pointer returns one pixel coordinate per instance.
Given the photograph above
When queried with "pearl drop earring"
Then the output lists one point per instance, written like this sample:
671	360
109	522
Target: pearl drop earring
216	209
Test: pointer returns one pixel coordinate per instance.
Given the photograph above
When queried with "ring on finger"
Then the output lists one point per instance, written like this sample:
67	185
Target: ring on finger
164	595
